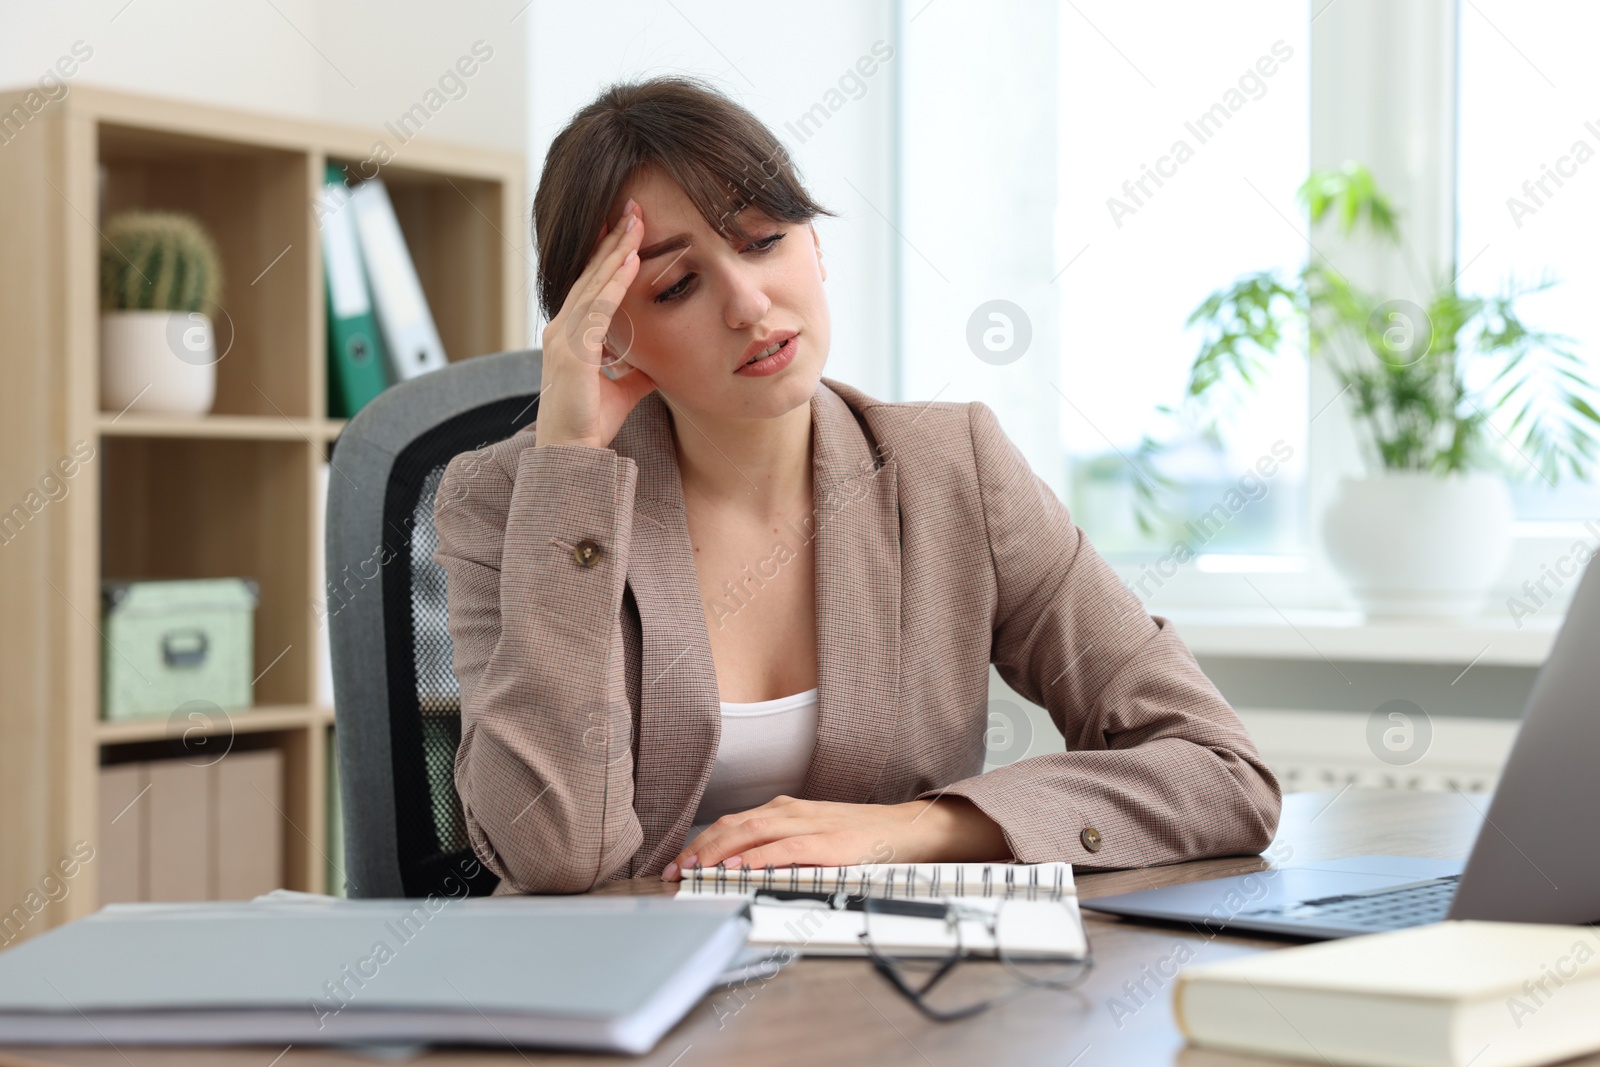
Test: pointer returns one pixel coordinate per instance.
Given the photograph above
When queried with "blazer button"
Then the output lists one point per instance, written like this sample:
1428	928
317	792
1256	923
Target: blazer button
1090	838
587	553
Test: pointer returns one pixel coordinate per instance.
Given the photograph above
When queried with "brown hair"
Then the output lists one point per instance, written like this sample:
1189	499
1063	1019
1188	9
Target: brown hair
721	155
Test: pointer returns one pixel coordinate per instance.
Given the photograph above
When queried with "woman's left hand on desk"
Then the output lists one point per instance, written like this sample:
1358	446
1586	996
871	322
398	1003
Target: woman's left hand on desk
819	833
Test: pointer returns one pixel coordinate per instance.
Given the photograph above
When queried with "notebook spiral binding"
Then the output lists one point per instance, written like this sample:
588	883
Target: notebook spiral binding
911	881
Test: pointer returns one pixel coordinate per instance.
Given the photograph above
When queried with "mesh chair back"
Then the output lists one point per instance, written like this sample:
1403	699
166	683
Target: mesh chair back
398	707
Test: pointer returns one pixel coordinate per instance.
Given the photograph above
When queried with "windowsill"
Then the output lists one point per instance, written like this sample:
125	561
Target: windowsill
1252	633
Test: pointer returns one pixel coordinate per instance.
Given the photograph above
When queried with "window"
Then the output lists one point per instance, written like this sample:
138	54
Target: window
1166	142
1528	184
1180	153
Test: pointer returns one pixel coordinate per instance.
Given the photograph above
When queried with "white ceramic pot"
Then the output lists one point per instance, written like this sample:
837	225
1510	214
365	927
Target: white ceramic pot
1412	544
157	361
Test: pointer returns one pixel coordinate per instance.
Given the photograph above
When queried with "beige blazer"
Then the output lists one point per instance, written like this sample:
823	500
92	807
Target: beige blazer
589	703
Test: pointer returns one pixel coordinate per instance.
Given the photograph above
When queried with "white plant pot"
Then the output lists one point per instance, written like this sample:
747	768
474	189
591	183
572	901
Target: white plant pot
1412	544
157	361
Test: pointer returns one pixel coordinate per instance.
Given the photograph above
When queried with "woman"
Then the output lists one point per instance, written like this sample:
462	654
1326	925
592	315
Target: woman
714	608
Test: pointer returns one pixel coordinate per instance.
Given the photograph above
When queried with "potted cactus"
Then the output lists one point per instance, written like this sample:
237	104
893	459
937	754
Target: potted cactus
159	280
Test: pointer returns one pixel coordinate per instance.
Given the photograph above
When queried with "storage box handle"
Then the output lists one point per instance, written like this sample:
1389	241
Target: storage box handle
184	648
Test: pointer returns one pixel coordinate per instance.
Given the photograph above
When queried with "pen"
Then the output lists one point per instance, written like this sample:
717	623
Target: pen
845	902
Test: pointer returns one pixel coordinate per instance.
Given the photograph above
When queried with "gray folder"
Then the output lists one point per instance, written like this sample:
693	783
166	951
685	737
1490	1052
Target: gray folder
601	973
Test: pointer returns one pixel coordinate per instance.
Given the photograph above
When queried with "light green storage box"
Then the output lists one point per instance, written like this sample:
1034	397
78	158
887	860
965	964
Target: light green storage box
167	643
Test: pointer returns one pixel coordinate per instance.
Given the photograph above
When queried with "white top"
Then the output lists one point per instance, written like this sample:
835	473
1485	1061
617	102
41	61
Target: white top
765	750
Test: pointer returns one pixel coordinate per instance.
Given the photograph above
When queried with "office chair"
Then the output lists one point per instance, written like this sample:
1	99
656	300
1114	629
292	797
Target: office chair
398	707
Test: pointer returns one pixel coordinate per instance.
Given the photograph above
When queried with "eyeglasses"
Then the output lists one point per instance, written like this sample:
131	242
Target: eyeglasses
933	983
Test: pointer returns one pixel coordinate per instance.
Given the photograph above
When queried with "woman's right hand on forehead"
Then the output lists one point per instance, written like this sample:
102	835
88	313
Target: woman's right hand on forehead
579	403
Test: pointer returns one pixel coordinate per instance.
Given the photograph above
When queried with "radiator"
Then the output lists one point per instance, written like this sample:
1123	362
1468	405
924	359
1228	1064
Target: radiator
1312	750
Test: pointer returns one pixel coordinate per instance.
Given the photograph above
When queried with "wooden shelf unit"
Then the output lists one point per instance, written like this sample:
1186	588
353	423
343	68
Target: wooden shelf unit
265	718
225	494
243	427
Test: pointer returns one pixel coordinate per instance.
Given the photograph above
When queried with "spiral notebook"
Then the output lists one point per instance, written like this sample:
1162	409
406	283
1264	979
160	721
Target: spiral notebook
1040	903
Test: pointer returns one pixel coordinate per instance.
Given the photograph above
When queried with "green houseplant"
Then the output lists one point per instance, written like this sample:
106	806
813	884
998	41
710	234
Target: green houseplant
160	277
1427	531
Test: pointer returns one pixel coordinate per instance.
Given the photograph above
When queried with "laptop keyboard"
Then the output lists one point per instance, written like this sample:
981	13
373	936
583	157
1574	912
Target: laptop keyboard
1390	909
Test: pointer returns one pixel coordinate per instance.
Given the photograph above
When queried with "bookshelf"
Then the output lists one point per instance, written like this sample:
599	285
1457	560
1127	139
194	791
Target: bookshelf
229	493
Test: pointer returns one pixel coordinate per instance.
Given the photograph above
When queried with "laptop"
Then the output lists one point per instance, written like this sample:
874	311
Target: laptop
1532	861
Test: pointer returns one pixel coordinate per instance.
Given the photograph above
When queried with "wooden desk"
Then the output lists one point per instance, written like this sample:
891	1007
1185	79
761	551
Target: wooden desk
839	1011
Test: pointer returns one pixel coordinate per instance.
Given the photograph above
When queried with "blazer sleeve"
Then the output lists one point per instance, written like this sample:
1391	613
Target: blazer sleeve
1158	765
545	765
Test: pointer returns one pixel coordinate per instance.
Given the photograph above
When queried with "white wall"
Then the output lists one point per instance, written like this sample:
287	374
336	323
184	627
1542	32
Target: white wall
982	274
358	62
325	61
778	61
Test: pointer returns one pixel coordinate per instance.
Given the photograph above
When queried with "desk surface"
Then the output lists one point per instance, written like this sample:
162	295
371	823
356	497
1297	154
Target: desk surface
839	1011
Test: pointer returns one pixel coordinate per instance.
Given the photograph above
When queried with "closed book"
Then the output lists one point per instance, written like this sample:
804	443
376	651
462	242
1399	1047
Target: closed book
1445	995
357	368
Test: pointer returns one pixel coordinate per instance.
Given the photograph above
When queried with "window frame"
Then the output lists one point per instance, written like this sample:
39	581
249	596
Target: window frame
1384	89
1349	43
